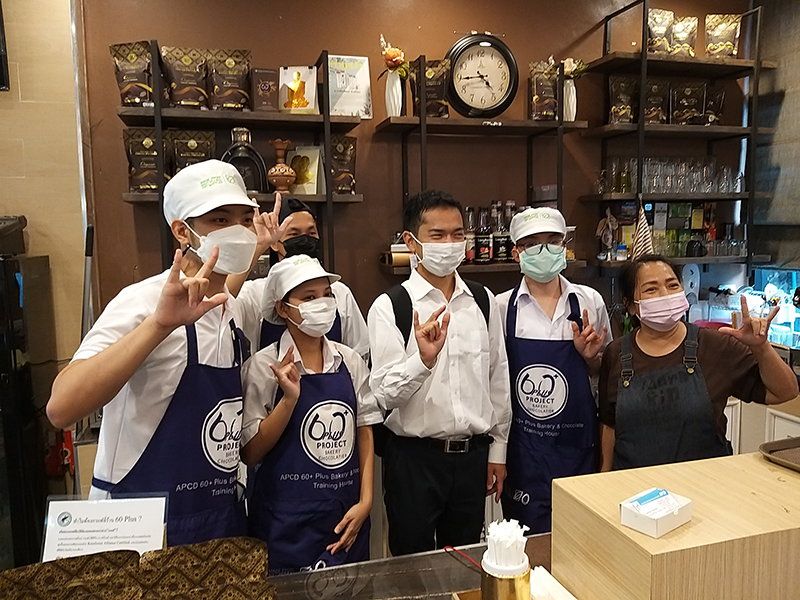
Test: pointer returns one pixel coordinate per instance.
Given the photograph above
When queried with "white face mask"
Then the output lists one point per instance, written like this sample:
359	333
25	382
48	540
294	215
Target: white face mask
236	244
443	258
318	316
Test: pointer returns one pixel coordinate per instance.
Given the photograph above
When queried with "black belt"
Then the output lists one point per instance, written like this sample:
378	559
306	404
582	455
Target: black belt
451	446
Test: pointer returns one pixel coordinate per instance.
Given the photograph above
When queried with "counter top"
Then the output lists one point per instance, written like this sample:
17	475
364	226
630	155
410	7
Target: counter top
790	408
434	575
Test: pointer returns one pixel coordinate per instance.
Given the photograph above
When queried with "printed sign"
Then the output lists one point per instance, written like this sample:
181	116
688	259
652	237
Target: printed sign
328	434
222	431
79	527
542	391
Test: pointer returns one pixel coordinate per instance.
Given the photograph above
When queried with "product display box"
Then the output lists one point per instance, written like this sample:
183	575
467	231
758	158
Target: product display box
742	542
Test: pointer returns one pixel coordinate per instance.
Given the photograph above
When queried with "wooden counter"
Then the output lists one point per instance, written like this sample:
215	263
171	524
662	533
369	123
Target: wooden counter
743	542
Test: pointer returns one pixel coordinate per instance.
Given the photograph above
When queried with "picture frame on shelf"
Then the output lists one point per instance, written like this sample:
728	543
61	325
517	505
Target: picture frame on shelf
298	90
350	90
307	164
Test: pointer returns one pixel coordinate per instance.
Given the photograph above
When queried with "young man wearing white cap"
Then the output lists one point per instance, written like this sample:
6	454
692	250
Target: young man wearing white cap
163	361
555	334
308	411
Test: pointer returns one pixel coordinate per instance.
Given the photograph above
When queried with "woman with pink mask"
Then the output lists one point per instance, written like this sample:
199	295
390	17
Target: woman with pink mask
664	386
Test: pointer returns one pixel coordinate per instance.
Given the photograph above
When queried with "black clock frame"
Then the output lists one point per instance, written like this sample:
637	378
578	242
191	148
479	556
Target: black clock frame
463	45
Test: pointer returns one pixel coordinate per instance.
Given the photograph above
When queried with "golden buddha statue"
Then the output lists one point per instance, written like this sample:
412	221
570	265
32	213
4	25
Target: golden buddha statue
297	93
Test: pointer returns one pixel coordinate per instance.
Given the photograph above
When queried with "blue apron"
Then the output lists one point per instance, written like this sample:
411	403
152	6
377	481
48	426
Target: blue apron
664	416
271	333
310	479
554	420
194	452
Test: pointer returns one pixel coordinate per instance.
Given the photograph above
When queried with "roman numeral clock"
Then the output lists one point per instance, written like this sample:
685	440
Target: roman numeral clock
484	76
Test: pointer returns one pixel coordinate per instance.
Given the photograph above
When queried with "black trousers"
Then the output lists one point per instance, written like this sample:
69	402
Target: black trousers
433	499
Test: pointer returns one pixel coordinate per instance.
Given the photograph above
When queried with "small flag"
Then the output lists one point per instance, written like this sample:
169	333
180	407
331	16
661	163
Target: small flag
642	238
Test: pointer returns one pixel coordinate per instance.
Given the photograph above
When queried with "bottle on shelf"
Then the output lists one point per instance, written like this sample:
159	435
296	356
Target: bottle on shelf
247	161
500	236
511	210
469	234
483	238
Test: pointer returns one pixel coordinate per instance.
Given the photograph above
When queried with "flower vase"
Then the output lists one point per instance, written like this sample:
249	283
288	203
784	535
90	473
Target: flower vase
394	94
281	175
570	100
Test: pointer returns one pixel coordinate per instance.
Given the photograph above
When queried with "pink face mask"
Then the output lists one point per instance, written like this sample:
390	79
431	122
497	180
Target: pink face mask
664	312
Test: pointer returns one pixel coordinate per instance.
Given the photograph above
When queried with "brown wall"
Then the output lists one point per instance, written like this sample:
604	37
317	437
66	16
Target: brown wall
475	170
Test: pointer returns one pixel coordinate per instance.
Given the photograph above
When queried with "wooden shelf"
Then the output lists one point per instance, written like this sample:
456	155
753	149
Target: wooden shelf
477	127
507	267
715	197
706	132
152	197
683	66
187	117
685	260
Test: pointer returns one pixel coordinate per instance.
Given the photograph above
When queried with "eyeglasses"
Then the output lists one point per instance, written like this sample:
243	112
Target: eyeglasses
536	249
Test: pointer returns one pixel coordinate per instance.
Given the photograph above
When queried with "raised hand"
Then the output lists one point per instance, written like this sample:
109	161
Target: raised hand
267	226
754	330
588	342
182	300
287	376
431	336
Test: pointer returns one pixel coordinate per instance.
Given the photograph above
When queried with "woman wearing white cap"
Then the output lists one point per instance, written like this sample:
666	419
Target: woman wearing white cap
555	333
163	361
308	412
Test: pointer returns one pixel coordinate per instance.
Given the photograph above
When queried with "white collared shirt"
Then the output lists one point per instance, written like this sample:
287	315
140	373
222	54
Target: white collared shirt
534	324
132	416
466	392
354	328
259	385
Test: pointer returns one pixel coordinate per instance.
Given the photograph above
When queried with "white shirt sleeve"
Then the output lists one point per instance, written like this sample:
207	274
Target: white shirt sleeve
250	300
368	411
258	391
499	386
601	317
395	375
354	328
502	306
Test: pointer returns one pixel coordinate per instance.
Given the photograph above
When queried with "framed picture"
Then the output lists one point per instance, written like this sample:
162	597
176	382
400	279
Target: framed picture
298	90
306	162
350	92
5	81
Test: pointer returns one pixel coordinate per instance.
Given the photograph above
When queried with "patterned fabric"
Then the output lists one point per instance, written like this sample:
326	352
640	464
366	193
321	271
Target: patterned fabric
642	238
223	569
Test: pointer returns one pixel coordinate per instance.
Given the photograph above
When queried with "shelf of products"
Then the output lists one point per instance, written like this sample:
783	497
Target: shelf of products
658	64
148	197
276	121
465	127
504	267
648	197
685	260
705	132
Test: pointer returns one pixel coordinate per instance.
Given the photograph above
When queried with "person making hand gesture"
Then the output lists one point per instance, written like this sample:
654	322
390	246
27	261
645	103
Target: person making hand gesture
163	362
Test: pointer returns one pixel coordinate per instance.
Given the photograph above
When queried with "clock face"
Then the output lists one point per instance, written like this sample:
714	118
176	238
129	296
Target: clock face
481	77
484	76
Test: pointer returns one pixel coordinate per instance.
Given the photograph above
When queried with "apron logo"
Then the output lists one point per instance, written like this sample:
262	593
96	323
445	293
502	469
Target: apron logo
522	497
328	434
542	391
222	431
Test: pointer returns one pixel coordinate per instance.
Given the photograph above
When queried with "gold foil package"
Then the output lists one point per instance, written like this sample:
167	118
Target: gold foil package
544	79
722	35
688	103
656	108
437	75
185	70
189	147
134	76
141	149
715	101
624	96
228	73
343	164
684	36
659	30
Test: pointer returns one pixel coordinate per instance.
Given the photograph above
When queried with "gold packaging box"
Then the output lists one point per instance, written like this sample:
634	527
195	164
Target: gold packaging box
742	543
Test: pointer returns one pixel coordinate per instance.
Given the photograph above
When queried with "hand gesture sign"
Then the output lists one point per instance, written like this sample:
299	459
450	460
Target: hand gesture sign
431	335
588	342
182	300
287	376
267	226
753	331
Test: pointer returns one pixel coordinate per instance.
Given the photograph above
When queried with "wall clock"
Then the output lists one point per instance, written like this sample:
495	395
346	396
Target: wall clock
484	76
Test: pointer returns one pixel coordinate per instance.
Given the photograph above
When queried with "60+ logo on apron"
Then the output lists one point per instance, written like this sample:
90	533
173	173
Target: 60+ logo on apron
222	432
542	391
328	434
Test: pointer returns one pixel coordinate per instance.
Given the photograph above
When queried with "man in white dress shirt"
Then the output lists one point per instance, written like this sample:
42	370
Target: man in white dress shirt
445	382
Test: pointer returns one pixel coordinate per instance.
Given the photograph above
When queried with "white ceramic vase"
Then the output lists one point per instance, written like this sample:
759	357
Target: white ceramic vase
570	100
394	94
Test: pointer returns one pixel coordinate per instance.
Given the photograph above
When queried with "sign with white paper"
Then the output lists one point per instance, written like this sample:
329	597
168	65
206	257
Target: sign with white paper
78	527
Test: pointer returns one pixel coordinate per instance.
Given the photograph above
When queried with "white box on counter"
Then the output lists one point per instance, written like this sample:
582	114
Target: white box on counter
655	512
